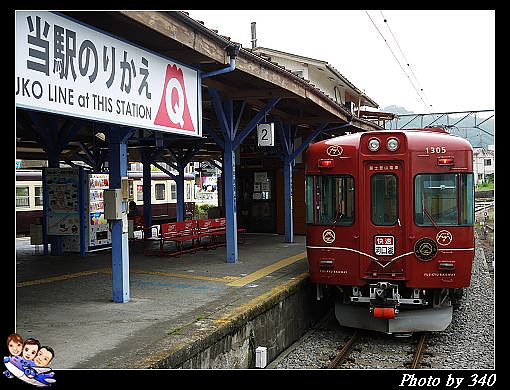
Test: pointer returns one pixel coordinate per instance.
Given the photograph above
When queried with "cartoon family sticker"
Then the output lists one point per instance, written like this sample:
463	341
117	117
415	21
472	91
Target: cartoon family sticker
28	361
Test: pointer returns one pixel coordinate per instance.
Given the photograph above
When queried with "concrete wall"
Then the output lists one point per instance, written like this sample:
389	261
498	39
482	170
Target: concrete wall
275	320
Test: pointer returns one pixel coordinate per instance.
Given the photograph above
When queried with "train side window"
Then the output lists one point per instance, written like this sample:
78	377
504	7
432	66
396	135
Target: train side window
384	199
139	192
309	190
159	191
38	195
22	196
467	197
173	190
330	200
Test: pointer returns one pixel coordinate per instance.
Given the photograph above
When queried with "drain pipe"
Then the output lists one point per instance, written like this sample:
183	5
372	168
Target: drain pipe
232	52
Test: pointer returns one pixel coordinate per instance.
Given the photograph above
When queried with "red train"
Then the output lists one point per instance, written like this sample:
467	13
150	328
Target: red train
390	226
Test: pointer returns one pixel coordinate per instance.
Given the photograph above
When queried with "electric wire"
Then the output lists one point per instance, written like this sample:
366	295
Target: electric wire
396	59
405	58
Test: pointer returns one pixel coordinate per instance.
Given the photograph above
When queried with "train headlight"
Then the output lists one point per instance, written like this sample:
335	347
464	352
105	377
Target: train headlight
374	144
392	144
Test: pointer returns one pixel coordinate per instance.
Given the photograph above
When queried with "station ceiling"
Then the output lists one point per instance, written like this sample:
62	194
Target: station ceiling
177	36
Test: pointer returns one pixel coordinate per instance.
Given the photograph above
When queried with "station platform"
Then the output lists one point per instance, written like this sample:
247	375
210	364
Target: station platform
193	311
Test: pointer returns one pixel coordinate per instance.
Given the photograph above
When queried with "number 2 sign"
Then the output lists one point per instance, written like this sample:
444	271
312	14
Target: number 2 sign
265	134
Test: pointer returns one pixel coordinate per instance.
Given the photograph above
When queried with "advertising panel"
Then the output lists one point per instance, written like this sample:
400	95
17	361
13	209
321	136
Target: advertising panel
68	68
63	204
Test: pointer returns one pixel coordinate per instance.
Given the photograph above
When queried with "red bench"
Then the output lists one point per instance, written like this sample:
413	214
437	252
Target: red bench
215	229
180	233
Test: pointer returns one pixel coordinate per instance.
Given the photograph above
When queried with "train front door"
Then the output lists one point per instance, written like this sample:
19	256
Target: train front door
382	241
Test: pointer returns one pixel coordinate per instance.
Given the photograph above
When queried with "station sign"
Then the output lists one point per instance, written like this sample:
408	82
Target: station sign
68	68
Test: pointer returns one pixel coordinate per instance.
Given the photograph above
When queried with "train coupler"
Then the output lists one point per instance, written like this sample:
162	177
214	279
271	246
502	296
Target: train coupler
384	300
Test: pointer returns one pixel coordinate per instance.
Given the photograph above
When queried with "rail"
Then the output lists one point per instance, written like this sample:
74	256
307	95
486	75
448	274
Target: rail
420	348
345	351
343	354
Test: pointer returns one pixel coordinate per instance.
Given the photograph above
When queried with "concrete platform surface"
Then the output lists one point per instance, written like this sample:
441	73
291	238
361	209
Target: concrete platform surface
176	302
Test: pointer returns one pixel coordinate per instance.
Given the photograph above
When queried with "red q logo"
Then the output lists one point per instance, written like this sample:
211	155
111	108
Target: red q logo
173	109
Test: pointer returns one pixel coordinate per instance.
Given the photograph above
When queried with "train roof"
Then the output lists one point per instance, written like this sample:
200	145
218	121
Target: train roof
415	138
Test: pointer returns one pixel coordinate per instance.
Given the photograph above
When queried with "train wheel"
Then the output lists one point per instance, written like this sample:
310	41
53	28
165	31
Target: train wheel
440	297
457	294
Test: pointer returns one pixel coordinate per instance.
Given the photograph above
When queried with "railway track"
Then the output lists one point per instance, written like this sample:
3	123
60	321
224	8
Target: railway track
355	340
481	206
345	351
467	343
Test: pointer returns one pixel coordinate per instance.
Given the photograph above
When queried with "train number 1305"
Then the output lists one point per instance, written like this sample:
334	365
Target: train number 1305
435	149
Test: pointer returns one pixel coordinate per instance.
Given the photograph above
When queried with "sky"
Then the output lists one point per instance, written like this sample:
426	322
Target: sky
451	53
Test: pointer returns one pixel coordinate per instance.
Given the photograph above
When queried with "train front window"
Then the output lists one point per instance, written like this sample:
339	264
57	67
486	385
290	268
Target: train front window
384	199
330	200
444	199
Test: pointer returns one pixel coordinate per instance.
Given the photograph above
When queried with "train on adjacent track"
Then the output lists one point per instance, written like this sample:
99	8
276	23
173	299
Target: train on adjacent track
390	232
29	196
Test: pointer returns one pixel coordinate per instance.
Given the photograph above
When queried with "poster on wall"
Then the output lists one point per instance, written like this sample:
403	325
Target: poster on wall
63	206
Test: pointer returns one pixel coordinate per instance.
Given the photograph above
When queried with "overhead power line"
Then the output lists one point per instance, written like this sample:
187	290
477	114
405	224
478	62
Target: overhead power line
427	106
406	61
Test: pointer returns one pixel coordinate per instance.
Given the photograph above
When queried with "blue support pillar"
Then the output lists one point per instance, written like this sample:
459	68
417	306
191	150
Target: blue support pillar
56	241
232	138
83	217
288	155
229	164
287	196
147	188
182	159
46	242
53	138
287	145
179	182
117	146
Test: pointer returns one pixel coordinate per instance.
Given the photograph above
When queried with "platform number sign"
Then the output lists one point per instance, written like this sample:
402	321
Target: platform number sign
384	245
265	134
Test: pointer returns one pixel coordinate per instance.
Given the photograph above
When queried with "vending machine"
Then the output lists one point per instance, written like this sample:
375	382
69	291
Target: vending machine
97	233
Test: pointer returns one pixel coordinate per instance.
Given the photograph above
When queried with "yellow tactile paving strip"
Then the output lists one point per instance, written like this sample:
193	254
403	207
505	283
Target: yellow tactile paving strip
234	281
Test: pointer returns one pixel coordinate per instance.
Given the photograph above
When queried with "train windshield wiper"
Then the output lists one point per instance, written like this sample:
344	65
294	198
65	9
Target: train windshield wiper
429	215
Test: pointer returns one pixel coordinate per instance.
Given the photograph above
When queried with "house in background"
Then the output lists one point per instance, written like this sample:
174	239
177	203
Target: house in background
323	76
483	163
329	80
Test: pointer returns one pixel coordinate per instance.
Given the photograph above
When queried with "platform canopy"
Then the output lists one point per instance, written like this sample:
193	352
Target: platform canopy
148	37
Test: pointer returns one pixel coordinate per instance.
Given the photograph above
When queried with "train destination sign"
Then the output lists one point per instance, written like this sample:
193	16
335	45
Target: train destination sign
67	68
384	245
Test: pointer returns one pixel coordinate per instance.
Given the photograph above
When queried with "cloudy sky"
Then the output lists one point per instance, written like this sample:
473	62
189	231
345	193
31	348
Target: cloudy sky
451	54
